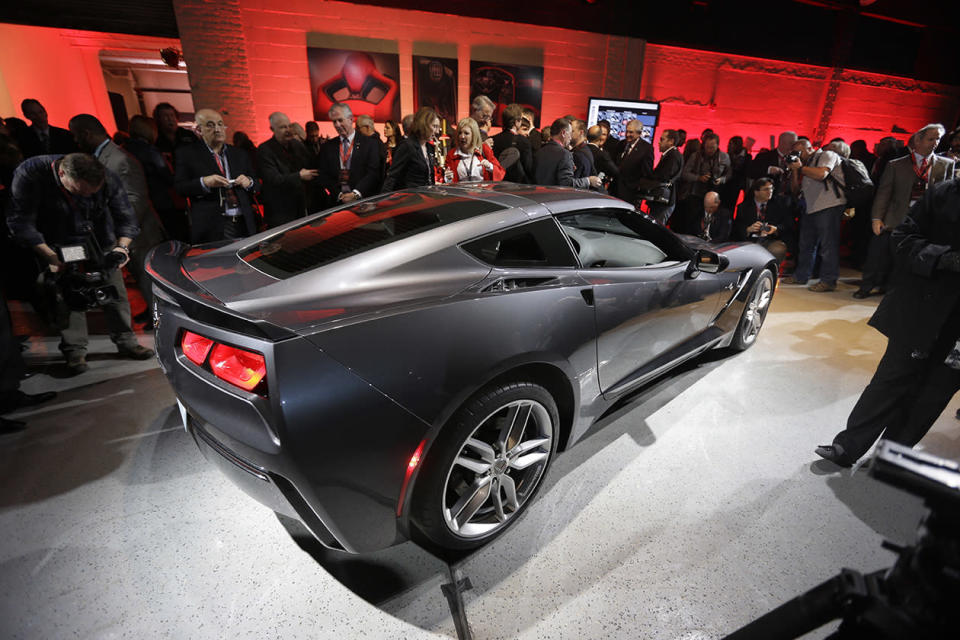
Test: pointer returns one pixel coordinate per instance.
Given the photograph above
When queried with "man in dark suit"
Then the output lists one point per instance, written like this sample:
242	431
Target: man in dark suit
283	163
219	181
521	170
40	138
582	158
602	161
764	220
635	164
902	184
554	164
610	142
528	131
714	222
773	163
350	163
920	369
667	172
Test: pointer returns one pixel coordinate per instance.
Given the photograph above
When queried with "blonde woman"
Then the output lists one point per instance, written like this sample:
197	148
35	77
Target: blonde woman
471	160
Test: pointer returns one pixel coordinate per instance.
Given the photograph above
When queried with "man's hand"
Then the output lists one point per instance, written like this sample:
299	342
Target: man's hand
245	182
349	196
755	227
878	226
795	165
215	180
769	231
308	174
595	182
704	178
950	261
124	252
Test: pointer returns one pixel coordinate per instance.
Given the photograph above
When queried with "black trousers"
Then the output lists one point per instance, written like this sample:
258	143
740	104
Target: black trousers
879	264
903	400
11	360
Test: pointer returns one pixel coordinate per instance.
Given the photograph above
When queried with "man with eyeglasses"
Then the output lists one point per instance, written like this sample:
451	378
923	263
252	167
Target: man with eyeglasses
219	181
763	219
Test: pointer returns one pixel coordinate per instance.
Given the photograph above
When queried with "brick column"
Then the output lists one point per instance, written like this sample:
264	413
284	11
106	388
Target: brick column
211	34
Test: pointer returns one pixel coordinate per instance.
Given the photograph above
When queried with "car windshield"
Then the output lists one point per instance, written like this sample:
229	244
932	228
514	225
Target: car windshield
367	225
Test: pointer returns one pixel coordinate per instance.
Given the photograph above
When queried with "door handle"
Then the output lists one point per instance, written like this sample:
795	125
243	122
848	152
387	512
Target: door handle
587	296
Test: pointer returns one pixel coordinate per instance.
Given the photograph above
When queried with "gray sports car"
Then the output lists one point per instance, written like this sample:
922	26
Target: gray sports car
407	366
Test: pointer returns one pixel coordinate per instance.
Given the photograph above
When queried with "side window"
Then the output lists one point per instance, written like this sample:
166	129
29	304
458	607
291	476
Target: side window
535	244
609	238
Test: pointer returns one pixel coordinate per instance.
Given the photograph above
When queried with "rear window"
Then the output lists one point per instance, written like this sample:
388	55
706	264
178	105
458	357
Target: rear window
360	228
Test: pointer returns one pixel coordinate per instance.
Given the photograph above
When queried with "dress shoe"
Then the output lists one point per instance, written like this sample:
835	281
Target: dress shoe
11	426
18	399
77	363
135	352
792	280
822	287
834	453
860	294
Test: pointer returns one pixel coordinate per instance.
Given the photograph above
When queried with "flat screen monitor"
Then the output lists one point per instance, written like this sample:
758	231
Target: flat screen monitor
619	112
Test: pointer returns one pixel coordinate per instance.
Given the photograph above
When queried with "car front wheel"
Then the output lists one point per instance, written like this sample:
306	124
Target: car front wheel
486	465
754	313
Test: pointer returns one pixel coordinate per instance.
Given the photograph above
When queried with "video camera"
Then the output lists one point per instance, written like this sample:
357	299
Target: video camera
915	598
83	282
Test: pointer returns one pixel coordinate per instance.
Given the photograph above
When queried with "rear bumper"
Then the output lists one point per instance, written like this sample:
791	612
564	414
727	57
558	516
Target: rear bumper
322	445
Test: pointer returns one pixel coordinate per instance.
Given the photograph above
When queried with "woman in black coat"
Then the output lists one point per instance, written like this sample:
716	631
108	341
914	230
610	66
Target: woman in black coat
413	159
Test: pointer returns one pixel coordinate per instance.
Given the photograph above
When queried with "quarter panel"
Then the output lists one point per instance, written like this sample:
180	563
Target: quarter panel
431	360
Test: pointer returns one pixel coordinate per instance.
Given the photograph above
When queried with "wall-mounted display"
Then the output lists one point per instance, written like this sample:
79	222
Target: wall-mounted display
619	112
435	85
507	83
368	82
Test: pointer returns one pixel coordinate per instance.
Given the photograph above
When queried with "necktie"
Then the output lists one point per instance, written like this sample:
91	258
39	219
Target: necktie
763	211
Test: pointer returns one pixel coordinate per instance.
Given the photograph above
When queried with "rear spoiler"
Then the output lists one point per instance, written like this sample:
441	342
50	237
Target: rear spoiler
164	267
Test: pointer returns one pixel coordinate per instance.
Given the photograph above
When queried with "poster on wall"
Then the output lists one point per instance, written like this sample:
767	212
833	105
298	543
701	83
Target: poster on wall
507	83
435	85
368	82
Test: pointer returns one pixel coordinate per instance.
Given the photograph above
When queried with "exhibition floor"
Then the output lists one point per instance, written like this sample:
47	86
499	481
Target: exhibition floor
686	514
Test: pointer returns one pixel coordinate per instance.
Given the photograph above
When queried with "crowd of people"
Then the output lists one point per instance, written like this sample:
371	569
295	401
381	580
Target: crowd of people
160	180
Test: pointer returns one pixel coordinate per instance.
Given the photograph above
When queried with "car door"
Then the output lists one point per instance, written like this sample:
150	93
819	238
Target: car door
651	306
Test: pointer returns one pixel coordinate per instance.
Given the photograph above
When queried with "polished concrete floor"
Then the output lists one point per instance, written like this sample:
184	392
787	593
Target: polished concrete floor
689	512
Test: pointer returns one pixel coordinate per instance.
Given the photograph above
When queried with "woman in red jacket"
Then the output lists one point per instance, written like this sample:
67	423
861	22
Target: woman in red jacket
471	160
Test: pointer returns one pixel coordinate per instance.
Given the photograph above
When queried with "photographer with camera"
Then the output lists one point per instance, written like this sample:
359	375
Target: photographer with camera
708	168
820	225
763	220
61	201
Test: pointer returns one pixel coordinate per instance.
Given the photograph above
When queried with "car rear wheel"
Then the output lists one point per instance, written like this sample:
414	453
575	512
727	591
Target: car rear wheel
486	465
754	313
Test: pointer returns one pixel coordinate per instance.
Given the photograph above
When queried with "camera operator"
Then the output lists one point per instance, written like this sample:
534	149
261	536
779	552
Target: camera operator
820	226
57	200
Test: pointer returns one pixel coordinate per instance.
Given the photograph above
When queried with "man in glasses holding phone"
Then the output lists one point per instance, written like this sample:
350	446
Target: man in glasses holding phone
219	181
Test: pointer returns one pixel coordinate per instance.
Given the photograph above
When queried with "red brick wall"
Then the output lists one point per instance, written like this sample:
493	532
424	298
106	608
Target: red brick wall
738	95
215	51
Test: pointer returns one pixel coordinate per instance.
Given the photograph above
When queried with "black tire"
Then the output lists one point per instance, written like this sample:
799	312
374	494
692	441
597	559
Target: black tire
457	468
754	312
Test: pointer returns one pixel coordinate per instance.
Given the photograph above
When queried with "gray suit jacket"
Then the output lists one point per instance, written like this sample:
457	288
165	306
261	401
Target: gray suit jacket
892	200
135	184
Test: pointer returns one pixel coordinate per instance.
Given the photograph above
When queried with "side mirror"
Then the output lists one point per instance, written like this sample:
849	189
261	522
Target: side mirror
709	261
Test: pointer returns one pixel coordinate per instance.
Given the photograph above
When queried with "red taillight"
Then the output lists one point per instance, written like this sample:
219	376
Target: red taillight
411	467
195	347
244	369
